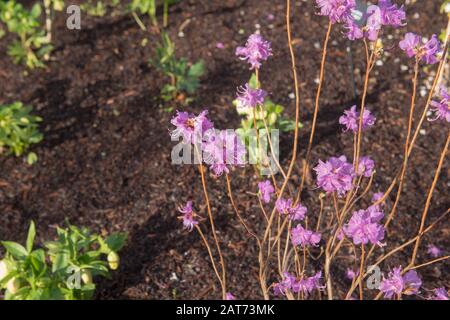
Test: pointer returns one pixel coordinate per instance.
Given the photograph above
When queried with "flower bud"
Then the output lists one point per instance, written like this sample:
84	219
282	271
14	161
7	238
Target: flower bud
113	260
4	270
86	276
13	285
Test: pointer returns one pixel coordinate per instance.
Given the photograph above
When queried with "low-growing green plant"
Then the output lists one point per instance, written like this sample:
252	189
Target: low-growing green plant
50	7
98	8
18	130
144	7
63	269
33	43
269	116
149	7
184	76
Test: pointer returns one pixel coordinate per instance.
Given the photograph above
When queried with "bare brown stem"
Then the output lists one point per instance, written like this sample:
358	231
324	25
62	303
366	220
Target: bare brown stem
316	109
428	202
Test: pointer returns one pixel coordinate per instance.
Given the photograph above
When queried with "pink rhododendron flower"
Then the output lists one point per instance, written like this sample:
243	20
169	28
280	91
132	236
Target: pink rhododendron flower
396	284
441	110
337	10
335	175
351	274
190	127
281	287
377	196
250	98
434	251
265	190
413	45
365	167
188	216
255	51
307	285
364	227
371	22
440	294
223	148
391	15
229	296
286	207
350	119
303	237
376	214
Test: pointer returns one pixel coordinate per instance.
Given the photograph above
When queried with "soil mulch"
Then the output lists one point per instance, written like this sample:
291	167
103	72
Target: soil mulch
105	159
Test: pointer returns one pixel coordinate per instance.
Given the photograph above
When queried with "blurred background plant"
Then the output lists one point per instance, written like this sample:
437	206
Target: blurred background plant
184	76
32	44
98	8
63	269
150	8
50	7
18	130
268	117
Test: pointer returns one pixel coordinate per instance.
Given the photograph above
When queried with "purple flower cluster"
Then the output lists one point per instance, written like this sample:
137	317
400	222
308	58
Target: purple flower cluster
303	237
377	196
351	274
256	50
286	207
350	119
223	148
434	251
265	190
371	22
338	11
335	175
307	285
304	285
229	296
188	216
364	226
190	127
440	294
414	45
248	97
441	110
396	284
285	284
365	167
220	148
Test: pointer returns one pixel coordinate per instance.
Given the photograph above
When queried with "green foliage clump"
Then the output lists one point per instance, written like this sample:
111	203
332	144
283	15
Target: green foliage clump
145	7
270	114
18	130
32	44
149	7
63	269
184	77
97	8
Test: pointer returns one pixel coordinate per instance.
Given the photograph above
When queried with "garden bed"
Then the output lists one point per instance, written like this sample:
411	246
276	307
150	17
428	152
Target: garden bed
105	159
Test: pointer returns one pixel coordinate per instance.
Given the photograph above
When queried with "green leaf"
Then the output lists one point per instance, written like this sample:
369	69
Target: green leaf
8	277
38	261
15	249
36	10
32	158
197	69
31	236
61	262
116	241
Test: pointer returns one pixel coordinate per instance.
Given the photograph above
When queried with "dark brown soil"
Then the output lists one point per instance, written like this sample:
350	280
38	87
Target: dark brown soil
105	160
